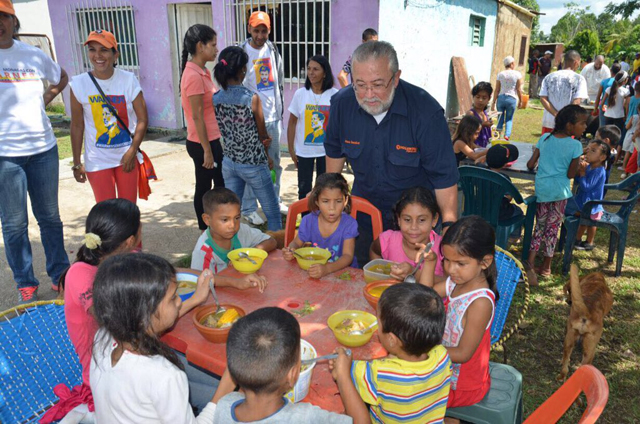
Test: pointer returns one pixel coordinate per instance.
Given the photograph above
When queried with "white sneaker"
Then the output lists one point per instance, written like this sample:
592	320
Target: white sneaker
623	176
254	218
284	209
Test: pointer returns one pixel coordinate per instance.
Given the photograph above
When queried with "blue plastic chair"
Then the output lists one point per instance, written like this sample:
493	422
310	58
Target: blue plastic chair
483	190
36	355
617	223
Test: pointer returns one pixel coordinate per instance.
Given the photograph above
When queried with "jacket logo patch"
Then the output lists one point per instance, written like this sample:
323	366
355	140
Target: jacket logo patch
356	143
407	149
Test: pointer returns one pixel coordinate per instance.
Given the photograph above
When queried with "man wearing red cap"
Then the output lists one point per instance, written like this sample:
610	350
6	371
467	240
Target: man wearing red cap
28	156
265	76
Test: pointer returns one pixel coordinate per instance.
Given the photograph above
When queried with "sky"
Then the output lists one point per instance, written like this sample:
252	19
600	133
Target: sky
555	10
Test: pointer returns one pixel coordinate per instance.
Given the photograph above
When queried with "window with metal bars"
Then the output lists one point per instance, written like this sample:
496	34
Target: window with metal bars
299	29
118	20
476	30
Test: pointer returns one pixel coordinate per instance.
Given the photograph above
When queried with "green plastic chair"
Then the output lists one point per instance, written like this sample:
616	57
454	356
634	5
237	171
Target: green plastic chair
617	223
503	402
483	190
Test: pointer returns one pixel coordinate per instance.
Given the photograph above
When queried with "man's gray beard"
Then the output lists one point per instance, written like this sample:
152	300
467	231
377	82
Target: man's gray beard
384	106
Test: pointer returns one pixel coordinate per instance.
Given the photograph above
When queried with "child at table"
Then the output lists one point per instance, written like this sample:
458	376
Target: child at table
559	156
263	359
225	233
481	95
590	180
470	294
328	225
415	215
463	138
135	377
411	385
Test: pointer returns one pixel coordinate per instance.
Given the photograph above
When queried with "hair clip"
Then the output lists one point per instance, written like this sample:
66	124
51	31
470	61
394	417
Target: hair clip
224	62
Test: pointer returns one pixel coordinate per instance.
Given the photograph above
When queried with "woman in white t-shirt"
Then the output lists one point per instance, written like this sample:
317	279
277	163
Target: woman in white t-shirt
309	115
617	104
28	156
110	149
507	95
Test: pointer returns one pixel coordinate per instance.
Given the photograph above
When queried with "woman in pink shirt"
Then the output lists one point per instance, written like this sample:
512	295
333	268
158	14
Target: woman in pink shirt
196	93
416	213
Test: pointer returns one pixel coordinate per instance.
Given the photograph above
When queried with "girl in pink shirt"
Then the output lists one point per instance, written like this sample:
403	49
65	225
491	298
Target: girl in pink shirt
416	214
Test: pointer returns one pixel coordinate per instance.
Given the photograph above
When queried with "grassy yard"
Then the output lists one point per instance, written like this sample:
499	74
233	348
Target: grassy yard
536	349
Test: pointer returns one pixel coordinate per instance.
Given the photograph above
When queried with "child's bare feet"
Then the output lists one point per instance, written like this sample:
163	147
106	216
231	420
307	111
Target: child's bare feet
543	272
532	277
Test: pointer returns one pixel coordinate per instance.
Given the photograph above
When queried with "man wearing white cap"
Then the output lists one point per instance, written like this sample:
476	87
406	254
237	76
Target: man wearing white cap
594	73
545	65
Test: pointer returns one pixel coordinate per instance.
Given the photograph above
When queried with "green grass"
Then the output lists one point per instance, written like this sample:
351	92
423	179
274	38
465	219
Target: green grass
56	109
536	349
64	143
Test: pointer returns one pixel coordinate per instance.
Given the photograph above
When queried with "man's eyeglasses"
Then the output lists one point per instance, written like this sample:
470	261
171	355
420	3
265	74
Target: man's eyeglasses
376	87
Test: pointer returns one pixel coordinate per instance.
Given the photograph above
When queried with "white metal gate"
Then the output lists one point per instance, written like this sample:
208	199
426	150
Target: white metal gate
299	29
115	16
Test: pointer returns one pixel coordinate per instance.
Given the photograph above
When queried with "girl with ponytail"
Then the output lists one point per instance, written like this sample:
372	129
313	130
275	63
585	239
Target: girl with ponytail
239	112
617	95
196	91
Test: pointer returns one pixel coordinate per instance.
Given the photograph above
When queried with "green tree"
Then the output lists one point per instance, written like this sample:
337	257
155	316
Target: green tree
626	8
575	20
535	26
586	42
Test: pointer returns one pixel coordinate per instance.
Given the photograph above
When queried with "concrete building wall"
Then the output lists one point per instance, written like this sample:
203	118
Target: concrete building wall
427	33
512	25
34	18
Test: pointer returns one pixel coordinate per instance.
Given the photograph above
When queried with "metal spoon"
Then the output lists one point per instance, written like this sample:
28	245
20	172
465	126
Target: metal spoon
215	298
323	358
244	255
362	332
298	255
411	277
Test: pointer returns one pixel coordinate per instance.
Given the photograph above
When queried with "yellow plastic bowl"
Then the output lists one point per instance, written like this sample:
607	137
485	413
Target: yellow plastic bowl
243	265
352	341
323	256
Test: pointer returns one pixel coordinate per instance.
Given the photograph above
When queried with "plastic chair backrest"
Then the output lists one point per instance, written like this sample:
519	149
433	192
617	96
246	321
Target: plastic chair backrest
36	355
483	191
586	379
510	272
627	206
358	204
630	184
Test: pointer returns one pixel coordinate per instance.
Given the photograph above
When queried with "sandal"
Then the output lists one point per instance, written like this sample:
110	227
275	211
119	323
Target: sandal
543	273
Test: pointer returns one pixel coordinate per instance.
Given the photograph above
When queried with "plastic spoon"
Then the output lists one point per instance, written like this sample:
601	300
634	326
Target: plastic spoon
245	256
362	332
411	277
323	358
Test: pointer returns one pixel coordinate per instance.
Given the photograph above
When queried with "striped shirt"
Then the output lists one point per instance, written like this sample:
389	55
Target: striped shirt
400	391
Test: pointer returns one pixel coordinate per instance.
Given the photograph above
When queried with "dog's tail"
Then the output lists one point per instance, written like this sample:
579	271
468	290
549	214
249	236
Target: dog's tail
576	294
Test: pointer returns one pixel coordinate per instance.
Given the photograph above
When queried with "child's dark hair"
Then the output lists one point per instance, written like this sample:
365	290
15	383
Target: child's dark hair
113	221
218	196
604	148
327	82
612	132
415	314
468	125
368	34
420	195
127	291
615	68
618	81
482	86
568	115
196	33
231	61
261	349
472	236
329	181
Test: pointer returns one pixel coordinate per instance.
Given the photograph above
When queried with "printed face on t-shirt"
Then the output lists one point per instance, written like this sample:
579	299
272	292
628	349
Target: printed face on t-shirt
315	120
109	134
264	76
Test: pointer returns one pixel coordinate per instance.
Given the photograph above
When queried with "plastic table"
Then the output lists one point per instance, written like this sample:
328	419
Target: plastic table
289	287
518	169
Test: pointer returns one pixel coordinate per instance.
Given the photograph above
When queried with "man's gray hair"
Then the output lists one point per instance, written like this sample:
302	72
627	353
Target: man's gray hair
375	50
571	56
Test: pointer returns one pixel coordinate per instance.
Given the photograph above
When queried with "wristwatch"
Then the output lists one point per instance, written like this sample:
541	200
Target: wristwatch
447	224
76	167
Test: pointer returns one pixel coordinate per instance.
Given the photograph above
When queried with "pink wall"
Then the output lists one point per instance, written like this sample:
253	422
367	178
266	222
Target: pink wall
349	19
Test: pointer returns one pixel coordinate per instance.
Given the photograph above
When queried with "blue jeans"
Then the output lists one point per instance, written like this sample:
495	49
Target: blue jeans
258	177
506	105
36	175
249	204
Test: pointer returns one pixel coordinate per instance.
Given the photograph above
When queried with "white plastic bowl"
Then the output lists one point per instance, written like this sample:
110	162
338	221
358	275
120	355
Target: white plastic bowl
301	389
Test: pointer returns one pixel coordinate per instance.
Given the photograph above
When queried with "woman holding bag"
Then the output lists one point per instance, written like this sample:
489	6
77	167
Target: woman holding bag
108	111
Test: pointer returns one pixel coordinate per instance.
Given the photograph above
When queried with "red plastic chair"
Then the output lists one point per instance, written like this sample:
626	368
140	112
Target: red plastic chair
358	204
586	379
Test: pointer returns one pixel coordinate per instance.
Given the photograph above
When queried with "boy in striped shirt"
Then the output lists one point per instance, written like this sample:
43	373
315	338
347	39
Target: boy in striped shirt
410	385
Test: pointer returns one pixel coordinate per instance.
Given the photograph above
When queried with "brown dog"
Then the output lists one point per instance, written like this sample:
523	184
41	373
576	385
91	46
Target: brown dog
590	301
